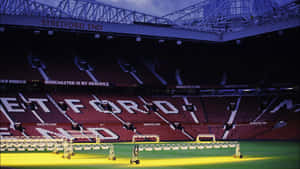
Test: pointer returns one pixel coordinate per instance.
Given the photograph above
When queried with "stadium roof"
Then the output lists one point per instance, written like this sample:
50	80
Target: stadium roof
208	20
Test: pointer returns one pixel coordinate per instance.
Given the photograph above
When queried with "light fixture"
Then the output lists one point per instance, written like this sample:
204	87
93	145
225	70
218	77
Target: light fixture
138	39
256	21
178	42
161	41
2	29
287	88
109	37
50	32
97	36
36	32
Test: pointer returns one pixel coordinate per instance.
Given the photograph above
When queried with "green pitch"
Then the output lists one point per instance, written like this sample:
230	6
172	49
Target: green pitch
262	155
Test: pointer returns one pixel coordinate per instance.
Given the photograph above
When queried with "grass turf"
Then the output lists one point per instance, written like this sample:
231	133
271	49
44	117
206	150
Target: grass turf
263	155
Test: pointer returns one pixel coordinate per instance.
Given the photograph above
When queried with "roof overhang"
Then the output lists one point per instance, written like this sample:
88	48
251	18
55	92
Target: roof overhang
165	32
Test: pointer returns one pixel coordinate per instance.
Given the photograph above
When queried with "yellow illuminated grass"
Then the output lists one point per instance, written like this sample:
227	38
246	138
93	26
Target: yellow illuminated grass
195	161
50	159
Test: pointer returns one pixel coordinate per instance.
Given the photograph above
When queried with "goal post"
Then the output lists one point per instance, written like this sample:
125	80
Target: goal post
136	137
212	136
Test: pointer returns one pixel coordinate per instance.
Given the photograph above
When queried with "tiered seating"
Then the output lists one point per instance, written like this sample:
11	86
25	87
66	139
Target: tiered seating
194	130
216	108
53	116
288	132
164	132
6	130
106	69
138	116
14	66
3	119
66	70
31	130
248	110
60	65
245	73
200	112
87	113
248	131
124	134
167	71
217	130
203	76
26	116
15	132
282	113
281	73
181	116
144	74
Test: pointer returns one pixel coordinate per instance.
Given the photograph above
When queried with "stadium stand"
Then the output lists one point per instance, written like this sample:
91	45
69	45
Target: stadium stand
3	119
166	70
175	109
164	132
126	107
132	109
122	133
248	110
17	109
60	64
15	66
42	106
217	109
194	130
287	132
84	113
248	131
166	116
108	70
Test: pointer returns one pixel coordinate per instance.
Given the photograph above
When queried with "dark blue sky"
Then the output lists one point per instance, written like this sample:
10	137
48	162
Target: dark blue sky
154	7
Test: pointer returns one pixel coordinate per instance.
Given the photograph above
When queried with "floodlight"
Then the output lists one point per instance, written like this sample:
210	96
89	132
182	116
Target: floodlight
36	32
161	41
179	42
50	32
138	39
2	29
97	36
109	37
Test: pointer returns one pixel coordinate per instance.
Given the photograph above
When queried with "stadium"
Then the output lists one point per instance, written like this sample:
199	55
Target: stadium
84	84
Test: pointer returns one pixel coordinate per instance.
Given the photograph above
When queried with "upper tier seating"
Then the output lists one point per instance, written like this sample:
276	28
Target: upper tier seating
14	66
63	68
143	73
106	69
